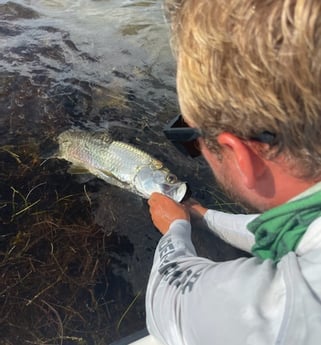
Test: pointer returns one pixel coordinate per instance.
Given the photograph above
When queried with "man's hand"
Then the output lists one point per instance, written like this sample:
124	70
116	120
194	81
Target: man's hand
195	208
164	211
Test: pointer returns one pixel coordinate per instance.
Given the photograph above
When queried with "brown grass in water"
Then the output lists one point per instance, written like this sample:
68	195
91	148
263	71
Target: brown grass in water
51	257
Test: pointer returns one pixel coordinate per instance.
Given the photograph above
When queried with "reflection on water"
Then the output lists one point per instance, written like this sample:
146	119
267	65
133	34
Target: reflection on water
75	257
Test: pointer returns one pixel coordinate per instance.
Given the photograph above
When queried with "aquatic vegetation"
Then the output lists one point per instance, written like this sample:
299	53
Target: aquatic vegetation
53	259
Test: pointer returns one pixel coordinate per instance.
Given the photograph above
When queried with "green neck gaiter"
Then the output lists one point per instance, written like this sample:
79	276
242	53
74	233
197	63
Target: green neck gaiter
279	230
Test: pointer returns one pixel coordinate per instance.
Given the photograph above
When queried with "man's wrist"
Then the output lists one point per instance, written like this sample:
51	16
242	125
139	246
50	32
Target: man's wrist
180	224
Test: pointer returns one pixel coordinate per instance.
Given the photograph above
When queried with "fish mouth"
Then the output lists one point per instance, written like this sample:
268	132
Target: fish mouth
178	193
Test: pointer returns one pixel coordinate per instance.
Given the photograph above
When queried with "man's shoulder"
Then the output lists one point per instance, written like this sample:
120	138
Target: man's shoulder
310	243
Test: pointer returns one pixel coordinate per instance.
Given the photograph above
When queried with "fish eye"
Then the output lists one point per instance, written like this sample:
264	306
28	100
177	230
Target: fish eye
170	178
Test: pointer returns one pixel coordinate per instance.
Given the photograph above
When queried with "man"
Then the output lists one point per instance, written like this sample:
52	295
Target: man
249	83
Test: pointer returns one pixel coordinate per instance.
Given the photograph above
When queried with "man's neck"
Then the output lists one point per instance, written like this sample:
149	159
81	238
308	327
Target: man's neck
286	187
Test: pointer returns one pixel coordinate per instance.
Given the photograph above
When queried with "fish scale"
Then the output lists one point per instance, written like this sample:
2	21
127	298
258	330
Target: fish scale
118	163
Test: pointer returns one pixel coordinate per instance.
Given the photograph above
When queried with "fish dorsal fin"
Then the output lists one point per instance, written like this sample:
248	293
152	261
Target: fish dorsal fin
103	137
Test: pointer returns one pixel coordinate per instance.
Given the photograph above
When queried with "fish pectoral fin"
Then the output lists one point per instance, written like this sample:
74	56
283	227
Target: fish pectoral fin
77	170
111	178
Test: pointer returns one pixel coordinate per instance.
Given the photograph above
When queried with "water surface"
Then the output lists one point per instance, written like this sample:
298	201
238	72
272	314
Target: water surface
75	256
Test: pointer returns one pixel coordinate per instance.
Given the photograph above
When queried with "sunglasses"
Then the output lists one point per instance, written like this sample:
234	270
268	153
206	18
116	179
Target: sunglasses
185	138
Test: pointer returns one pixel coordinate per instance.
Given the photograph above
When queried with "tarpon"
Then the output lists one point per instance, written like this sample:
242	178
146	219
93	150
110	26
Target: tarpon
119	164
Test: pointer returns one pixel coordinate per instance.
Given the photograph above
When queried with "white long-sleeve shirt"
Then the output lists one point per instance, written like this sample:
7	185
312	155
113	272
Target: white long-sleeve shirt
191	300
231	228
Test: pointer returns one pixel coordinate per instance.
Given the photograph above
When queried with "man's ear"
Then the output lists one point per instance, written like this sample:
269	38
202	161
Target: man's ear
249	163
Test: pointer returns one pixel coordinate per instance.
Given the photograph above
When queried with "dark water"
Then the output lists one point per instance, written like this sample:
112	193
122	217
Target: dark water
75	257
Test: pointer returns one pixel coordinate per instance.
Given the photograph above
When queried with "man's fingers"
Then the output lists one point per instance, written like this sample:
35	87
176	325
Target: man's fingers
164	211
158	198
155	197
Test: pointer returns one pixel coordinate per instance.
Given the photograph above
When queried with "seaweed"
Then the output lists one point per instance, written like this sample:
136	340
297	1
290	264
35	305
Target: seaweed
54	261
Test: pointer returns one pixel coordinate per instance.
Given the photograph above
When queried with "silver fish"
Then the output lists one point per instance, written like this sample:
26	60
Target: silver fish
119	164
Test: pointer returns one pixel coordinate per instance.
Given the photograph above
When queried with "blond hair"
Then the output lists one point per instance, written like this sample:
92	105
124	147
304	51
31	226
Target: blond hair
249	66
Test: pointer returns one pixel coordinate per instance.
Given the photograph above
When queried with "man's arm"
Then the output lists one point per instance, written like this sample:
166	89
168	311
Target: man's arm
232	228
192	300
